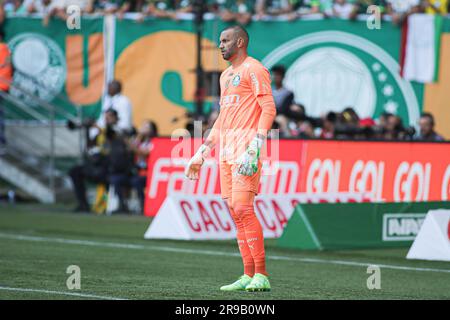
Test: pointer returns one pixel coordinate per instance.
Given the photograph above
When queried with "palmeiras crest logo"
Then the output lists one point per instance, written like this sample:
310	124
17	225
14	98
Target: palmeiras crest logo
332	70
40	67
236	80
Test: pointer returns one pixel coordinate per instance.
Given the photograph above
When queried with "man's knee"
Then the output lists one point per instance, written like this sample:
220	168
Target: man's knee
243	210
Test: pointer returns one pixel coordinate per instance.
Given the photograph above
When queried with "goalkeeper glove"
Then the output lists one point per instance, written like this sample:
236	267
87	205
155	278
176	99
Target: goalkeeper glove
248	162
193	167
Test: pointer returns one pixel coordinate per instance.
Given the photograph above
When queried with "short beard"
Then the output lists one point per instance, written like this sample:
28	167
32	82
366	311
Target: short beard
227	56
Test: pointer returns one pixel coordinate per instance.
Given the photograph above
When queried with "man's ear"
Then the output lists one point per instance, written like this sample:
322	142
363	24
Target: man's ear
240	42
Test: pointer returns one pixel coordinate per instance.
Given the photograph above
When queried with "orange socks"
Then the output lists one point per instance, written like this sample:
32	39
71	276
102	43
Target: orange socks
247	259
253	232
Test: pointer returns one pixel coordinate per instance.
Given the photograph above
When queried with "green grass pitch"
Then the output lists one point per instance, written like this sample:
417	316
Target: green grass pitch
38	243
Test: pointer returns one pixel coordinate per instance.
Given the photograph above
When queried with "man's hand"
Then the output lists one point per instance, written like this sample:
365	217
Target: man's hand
193	167
248	162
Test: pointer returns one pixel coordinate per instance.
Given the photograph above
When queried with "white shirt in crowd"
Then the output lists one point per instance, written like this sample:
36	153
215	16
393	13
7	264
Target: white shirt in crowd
403	6
123	107
62	4
343	10
38	5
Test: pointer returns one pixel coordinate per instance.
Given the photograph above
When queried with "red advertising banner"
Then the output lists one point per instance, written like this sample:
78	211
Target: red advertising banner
384	171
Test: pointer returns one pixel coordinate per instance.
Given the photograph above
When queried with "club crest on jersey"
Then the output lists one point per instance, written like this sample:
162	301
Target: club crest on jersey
236	80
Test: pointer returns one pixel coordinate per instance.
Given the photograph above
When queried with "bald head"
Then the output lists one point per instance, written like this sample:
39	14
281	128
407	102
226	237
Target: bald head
239	32
233	39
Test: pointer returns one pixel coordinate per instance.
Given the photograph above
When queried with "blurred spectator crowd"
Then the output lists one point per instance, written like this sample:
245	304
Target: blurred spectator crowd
240	11
116	153
292	121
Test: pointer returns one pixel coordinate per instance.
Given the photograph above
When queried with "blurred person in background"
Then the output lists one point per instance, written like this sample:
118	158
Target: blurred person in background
272	8
141	146
297	112
58	9
167	8
281	123
158	9
427	132
380	126
399	10
239	11
118	7
95	161
117	101
328	125
306	130
435	6
6	74
394	128
383	119
349	117
12	6
283	97
86	6
347	124
300	8
129	6
361	7
367	129
343	9
322	6
183	6
120	164
37	6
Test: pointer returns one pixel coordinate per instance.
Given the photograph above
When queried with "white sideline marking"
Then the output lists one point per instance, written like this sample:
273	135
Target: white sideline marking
207	252
83	295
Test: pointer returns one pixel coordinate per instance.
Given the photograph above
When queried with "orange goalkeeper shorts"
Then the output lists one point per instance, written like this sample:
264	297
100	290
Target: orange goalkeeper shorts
231	181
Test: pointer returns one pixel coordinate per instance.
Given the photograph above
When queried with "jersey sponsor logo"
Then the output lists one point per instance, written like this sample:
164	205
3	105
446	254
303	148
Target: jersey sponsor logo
231	100
255	82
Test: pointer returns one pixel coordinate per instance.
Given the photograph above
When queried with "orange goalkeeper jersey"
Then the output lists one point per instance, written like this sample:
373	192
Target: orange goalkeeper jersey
240	111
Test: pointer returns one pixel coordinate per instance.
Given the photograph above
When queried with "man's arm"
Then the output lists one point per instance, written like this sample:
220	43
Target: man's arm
260	78
262	91
268	114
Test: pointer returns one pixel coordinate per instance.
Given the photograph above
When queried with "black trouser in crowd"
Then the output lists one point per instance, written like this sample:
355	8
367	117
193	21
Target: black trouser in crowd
122	181
82	173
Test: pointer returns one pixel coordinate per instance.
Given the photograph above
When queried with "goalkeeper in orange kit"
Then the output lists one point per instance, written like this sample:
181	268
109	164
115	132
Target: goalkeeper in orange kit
247	111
